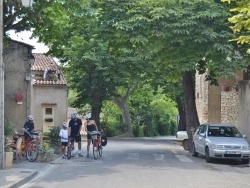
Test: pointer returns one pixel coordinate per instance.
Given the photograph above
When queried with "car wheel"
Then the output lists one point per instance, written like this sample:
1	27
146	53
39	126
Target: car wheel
194	152
245	161
185	144
207	155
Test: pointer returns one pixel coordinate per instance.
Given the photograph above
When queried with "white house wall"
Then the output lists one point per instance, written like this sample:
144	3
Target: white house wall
50	96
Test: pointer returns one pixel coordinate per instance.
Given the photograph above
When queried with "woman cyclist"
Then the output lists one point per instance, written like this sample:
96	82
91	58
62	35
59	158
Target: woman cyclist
89	126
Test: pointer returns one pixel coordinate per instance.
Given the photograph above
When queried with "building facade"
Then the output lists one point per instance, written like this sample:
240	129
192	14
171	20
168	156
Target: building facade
18	59
49	94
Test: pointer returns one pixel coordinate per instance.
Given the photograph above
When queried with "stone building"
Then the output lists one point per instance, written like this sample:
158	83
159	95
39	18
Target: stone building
225	103
18	59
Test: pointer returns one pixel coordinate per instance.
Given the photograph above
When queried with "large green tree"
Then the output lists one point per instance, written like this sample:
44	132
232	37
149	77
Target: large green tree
110	45
185	36
99	68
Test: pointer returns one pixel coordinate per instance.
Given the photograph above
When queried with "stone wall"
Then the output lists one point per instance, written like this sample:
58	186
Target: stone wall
17	69
230	107
201	92
214	105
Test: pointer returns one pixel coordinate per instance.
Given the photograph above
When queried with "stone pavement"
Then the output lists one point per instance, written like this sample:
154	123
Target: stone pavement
23	172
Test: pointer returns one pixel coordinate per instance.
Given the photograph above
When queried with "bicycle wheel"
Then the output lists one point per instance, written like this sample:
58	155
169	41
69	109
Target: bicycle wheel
69	152
100	150
31	151
95	151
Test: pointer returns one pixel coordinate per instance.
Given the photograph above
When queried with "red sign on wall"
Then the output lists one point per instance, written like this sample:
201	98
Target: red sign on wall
19	97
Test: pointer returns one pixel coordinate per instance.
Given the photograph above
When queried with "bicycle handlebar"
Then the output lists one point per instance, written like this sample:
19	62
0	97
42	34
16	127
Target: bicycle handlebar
94	132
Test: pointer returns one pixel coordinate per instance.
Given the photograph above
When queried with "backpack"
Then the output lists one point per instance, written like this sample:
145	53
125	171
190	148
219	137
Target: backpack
104	140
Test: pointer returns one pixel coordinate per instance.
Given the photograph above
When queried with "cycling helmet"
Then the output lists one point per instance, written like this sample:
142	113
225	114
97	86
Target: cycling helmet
73	115
87	116
30	118
65	124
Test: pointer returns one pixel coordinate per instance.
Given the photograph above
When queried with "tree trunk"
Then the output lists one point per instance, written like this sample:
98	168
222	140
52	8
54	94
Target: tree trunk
182	114
192	119
122	104
96	109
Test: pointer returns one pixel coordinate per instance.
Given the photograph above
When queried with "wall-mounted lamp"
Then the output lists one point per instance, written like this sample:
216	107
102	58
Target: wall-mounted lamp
27	3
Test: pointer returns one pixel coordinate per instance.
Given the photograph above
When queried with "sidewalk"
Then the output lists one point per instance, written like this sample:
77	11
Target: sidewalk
23	172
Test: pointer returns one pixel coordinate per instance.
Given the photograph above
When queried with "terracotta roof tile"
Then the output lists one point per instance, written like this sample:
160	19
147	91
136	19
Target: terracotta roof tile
46	64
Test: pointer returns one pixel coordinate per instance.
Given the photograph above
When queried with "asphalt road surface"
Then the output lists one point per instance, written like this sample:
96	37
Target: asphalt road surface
147	163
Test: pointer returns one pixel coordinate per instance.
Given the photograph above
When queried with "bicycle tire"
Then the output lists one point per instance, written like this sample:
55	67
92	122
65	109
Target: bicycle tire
100	150
31	152
95	151
69	152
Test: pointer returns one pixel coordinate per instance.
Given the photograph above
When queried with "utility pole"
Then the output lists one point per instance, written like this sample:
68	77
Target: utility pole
2	157
25	3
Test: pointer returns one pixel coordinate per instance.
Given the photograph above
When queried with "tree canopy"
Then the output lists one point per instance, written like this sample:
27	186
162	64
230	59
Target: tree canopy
241	21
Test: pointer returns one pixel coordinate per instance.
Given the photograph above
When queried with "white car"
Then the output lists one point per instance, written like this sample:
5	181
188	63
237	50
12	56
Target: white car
182	139
220	141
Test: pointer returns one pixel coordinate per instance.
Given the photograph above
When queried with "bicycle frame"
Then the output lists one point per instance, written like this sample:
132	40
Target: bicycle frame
97	149
69	149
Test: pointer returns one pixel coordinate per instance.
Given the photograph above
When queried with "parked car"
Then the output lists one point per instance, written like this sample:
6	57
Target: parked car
220	141
182	139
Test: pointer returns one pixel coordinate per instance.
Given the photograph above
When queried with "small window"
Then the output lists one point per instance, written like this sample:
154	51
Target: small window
48	111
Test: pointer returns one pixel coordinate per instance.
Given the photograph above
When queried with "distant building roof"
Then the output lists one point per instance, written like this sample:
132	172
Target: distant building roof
47	71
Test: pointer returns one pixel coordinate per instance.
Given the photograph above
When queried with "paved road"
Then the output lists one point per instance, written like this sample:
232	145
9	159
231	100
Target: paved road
143	163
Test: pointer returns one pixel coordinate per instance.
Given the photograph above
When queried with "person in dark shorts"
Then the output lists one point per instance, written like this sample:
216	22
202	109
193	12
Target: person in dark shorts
75	126
89	126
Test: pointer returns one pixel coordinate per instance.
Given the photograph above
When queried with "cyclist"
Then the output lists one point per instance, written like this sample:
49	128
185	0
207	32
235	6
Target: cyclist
90	125
64	139
75	126
28	127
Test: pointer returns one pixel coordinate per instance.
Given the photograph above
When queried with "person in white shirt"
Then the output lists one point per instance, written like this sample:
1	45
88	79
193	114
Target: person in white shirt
64	134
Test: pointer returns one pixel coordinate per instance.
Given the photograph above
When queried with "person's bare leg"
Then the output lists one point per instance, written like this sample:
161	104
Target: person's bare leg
79	149
88	146
72	148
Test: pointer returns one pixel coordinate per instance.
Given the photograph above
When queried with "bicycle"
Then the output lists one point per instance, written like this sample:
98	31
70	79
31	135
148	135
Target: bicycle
29	147
69	149
97	147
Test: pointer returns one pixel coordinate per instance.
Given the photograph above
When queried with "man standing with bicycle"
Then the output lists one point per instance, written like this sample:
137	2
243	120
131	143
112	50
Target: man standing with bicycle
75	126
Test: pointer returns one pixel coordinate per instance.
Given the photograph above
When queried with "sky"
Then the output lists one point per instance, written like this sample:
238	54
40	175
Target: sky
25	37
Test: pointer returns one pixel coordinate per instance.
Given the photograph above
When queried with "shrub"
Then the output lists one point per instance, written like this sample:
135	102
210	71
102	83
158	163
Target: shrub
173	128
53	135
138	131
9	131
111	130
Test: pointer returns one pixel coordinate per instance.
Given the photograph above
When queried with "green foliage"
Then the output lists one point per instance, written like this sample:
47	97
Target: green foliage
9	128
138	131
173	128
241	21
44	147
9	131
53	135
111	130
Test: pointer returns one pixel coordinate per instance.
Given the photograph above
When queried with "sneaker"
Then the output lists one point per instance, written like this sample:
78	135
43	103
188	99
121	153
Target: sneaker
63	157
80	155
87	155
73	155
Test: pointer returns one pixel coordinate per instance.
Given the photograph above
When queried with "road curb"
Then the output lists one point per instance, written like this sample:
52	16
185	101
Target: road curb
24	181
